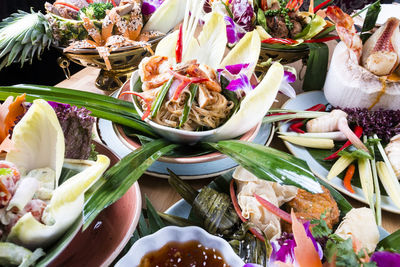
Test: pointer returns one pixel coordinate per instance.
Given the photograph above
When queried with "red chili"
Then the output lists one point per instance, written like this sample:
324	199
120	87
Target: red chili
294	4
113	2
89	1
295	127
264	5
179	46
322	5
148	103
68	5
358	130
322	40
318	107
279	41
239	212
186	81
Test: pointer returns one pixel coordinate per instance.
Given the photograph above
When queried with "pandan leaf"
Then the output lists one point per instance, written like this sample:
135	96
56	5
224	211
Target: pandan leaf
119	178
317	65
370	20
391	242
270	164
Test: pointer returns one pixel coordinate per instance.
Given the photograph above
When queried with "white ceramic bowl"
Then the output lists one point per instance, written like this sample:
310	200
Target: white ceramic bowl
178	234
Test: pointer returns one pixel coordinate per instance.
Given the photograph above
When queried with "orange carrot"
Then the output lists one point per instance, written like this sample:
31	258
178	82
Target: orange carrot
305	252
15	110
347	178
3	115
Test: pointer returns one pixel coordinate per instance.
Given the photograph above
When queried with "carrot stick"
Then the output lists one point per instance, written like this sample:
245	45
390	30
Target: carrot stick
15	110
347	178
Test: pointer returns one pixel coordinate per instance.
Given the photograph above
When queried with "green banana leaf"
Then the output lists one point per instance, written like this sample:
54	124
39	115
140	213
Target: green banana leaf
270	164
317	66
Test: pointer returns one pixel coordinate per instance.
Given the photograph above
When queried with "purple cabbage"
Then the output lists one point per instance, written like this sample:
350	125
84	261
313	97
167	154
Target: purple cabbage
77	126
150	6
243	13
283	248
386	258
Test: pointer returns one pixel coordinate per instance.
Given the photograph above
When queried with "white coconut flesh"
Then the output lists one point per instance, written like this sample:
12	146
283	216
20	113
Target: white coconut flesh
350	85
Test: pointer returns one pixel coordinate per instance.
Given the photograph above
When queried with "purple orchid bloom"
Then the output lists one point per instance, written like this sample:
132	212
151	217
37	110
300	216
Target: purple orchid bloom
283	248
385	258
289	76
233	31
238	79
150	6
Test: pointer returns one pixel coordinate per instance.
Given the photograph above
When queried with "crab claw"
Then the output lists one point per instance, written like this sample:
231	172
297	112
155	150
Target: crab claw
381	52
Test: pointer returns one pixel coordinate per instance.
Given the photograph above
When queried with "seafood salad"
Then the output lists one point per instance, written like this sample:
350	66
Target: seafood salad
39	202
103	25
193	94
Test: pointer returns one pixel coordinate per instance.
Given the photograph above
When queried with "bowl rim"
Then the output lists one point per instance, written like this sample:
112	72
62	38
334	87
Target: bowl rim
181	234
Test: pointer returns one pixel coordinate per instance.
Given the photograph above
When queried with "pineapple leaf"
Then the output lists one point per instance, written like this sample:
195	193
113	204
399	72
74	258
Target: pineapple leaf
23	36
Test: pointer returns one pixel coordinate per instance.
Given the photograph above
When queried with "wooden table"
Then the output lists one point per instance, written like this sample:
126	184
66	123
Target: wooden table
158	190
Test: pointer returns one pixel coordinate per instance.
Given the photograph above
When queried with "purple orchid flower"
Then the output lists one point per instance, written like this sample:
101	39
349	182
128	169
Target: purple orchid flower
238	79
150	6
233	31
283	248
289	76
386	258
241	84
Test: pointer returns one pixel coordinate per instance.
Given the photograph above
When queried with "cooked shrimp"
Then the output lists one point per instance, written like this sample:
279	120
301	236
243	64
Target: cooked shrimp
203	71
153	72
346	30
326	123
92	30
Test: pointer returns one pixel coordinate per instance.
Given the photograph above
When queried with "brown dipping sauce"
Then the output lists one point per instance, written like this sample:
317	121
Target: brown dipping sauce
191	253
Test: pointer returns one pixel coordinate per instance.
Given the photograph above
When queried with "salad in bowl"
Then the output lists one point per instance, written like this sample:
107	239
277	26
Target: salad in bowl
39	202
191	91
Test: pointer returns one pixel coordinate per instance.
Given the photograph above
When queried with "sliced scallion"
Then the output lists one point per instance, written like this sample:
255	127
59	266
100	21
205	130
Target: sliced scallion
188	104
160	98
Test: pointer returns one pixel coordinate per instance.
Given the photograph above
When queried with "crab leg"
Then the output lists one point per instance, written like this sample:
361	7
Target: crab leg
379	53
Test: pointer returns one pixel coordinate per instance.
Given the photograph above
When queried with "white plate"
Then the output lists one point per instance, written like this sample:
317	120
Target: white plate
302	102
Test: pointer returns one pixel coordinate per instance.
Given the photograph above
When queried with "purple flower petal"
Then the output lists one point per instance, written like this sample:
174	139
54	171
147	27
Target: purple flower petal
242	83
289	76
233	32
150	6
236	68
385	258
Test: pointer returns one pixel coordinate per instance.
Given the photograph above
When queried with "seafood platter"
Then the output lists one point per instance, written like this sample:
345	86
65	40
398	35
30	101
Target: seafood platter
205	84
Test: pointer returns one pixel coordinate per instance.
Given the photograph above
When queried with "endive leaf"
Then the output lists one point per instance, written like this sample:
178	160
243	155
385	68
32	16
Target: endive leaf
38	140
64	208
212	41
270	164
169	14
257	103
246	51
118	179
166	47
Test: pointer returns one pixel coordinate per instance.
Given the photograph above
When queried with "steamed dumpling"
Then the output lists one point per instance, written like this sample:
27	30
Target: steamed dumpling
248	184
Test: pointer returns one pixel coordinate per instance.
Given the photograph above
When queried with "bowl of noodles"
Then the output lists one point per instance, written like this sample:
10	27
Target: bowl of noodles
200	94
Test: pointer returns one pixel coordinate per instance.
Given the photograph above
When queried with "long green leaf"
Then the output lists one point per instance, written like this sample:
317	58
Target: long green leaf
370	19
70	93
317	65
119	178
98	109
391	242
270	164
155	221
